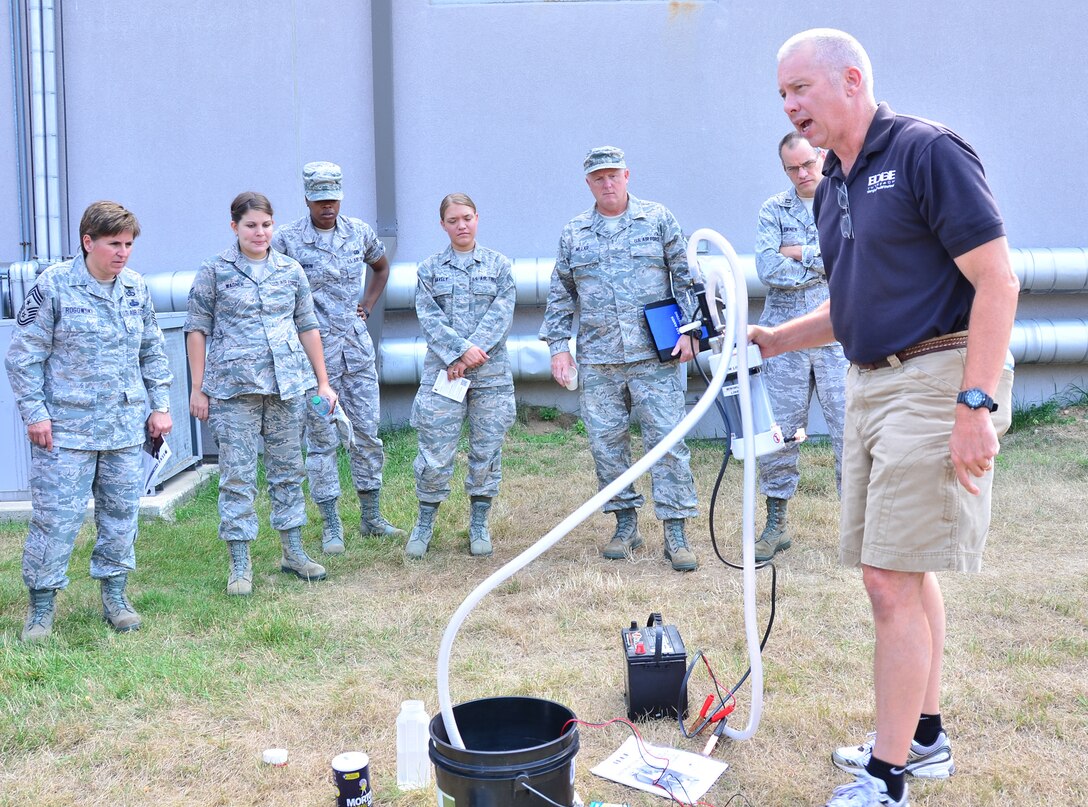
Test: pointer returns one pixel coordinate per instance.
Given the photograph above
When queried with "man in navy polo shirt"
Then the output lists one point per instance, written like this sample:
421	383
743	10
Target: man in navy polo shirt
914	248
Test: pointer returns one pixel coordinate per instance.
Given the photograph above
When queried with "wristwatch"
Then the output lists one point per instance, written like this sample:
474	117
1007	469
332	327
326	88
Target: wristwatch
975	398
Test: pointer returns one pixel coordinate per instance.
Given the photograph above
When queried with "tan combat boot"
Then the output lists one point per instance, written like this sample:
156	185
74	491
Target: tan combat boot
295	560
626	539
116	608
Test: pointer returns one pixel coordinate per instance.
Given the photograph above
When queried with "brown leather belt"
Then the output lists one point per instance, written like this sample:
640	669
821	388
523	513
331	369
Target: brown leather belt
952	341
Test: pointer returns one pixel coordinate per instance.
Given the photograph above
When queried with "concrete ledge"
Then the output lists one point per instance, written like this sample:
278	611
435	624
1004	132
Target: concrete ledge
177	491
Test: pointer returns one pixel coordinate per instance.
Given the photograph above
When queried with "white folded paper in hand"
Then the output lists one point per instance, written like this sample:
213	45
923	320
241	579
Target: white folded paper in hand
454	390
343	427
155	455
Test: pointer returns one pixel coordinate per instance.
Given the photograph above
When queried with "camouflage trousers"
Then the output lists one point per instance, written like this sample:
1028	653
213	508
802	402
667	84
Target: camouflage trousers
359	398
791	380
238	424
61	482
653	393
490	412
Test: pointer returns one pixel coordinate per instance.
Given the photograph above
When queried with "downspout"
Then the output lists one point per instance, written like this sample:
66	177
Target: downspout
19	102
385	174
45	131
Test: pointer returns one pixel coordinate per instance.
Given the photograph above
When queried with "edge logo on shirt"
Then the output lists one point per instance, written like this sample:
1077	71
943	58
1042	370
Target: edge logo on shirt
878	182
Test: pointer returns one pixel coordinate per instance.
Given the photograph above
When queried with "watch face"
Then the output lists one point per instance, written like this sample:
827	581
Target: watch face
974	398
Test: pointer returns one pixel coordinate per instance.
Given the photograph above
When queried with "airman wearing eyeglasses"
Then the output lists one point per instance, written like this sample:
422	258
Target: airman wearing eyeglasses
789	263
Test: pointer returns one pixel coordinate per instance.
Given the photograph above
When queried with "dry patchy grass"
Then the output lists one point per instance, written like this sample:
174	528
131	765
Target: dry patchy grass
329	674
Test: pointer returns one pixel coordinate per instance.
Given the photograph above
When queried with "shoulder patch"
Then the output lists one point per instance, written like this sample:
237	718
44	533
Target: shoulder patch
31	306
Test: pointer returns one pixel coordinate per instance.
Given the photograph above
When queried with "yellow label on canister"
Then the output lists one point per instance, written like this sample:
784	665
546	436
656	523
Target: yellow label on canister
354	775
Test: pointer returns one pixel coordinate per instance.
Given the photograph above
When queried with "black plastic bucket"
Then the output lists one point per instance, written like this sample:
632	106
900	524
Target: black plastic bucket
518	751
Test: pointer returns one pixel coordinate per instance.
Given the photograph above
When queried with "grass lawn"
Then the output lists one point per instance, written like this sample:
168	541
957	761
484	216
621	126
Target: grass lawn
179	712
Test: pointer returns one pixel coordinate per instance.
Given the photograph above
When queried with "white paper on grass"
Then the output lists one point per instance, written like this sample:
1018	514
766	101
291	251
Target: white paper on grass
687	776
454	390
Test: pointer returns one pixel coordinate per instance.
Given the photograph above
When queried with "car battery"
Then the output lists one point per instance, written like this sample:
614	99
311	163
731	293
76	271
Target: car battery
655	664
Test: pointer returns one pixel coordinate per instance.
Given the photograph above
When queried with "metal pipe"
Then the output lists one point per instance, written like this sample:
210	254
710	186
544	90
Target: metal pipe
402	359
1047	341
1041	271
22	137
533	277
44	129
1051	271
1034	341
385	139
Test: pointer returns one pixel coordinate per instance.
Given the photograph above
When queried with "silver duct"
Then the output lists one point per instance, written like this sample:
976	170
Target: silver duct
1041	271
1046	341
1051	271
1040	341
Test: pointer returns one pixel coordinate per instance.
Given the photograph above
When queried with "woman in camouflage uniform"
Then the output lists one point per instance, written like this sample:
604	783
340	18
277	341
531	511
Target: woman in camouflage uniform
251	308
465	306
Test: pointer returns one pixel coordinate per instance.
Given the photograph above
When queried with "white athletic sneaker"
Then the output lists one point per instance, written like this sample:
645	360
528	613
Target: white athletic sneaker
932	762
865	791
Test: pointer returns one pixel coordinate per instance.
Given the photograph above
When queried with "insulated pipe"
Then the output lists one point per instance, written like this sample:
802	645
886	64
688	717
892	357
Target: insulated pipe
533	278
1050	271
734	326
402	359
1047	341
1041	271
170	290
1034	341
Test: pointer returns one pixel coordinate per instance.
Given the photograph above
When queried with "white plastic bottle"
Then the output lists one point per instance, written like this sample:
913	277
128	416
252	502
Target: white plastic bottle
413	766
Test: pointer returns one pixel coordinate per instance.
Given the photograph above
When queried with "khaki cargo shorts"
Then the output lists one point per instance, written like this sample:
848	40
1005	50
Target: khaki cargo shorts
902	506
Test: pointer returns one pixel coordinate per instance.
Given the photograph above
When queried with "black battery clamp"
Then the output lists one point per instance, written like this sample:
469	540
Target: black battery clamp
655	664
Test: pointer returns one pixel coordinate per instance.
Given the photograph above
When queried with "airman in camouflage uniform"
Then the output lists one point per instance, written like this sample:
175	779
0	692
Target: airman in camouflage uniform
85	360
335	251
465	304
789	263
614	259
250	308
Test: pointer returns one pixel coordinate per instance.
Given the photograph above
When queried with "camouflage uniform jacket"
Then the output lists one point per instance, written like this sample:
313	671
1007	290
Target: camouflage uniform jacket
252	328
609	279
336	277
83	358
784	221
460	307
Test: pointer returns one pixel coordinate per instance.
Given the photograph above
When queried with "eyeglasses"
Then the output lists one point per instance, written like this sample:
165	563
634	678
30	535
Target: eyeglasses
795	170
846	225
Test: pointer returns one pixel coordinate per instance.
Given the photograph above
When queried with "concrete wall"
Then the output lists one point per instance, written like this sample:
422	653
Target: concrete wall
172	109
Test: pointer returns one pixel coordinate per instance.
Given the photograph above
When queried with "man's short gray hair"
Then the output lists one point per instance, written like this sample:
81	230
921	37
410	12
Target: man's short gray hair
834	49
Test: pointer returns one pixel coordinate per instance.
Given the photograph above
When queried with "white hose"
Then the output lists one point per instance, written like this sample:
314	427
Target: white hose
734	332
737	298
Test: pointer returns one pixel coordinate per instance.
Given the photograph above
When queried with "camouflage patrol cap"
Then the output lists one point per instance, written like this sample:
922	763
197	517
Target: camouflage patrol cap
603	157
322	181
